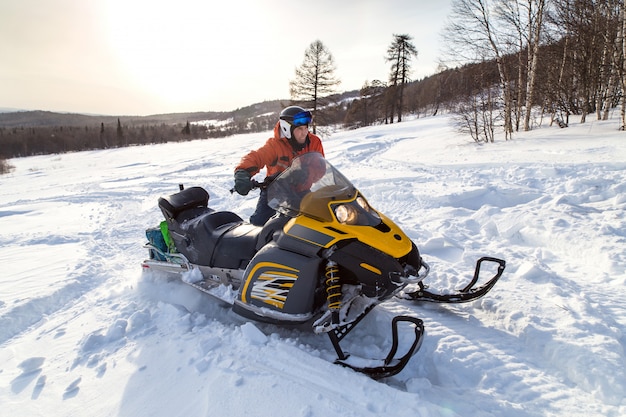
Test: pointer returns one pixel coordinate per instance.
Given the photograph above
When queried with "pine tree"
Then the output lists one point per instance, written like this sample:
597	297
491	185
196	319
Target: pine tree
399	53
315	79
120	134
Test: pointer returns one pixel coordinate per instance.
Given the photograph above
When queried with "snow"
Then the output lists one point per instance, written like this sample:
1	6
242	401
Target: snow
84	333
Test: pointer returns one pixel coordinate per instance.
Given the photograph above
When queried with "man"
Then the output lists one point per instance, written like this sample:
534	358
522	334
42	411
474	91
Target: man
291	138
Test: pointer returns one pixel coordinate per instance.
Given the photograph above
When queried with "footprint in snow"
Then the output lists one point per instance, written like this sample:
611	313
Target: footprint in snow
31	368
100	370
72	390
41	382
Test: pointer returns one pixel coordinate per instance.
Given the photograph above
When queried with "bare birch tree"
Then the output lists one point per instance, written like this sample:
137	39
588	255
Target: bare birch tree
535	24
609	88
623	77
472	34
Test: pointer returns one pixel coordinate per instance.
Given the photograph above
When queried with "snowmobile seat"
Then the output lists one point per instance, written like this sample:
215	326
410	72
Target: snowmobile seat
215	219
195	199
235	245
197	237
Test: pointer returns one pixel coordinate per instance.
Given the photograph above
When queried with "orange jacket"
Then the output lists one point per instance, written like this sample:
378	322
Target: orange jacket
277	154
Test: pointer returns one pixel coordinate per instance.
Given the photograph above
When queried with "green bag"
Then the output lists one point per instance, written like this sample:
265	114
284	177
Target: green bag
171	247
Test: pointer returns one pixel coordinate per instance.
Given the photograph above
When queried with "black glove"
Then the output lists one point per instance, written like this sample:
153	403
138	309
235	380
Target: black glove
243	185
297	177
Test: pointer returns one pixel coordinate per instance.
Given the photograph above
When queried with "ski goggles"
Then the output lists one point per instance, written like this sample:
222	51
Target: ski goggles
301	119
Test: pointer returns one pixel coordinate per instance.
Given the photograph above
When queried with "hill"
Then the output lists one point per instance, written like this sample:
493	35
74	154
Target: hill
39	118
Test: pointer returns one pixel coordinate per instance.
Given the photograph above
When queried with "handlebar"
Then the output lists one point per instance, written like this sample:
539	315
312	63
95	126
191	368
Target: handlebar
262	185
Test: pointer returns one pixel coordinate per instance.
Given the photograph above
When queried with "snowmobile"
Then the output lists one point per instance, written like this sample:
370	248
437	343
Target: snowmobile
326	259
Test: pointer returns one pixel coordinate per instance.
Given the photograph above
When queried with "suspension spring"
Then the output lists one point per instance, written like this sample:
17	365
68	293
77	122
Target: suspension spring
333	290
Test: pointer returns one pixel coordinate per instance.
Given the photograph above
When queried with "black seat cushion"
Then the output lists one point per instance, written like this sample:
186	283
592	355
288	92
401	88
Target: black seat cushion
193	197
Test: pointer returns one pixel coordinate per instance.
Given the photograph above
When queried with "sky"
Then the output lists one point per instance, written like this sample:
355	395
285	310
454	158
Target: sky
140	57
84	333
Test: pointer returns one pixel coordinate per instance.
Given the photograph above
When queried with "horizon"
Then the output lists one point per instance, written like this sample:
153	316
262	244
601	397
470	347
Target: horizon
144	58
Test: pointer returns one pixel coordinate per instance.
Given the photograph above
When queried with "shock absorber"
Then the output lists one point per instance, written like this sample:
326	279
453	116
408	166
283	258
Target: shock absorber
333	290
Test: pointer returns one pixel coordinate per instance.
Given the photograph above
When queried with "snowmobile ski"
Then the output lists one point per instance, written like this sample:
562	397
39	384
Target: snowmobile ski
390	365
467	294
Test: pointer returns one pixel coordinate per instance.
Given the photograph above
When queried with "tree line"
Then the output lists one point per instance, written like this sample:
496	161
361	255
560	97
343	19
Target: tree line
511	63
79	132
507	65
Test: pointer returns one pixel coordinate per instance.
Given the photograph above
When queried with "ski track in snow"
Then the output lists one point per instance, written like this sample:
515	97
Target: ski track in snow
556	355
82	329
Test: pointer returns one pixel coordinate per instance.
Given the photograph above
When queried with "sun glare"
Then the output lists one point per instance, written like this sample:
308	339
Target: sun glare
178	52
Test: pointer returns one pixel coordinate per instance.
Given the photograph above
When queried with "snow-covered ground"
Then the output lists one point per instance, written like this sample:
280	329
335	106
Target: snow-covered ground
84	333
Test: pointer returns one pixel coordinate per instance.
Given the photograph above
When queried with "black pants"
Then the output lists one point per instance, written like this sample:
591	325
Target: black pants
263	212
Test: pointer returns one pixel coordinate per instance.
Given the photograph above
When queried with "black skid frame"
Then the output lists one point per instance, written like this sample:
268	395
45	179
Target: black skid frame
390	365
467	294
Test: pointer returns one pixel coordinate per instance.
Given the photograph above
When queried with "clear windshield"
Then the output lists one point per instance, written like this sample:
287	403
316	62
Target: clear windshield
309	175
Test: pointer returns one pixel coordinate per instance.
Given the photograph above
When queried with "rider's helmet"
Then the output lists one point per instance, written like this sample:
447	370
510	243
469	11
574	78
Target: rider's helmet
292	117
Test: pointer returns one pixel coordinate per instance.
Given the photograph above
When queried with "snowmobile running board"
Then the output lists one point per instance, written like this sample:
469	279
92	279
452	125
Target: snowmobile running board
466	294
391	365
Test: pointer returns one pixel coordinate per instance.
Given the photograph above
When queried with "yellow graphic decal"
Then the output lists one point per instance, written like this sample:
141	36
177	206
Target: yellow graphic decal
272	285
371	268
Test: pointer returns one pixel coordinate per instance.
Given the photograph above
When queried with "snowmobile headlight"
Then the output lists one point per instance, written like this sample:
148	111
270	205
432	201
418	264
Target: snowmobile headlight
361	202
346	214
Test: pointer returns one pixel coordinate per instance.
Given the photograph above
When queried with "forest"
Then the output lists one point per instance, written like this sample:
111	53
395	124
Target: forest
508	66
